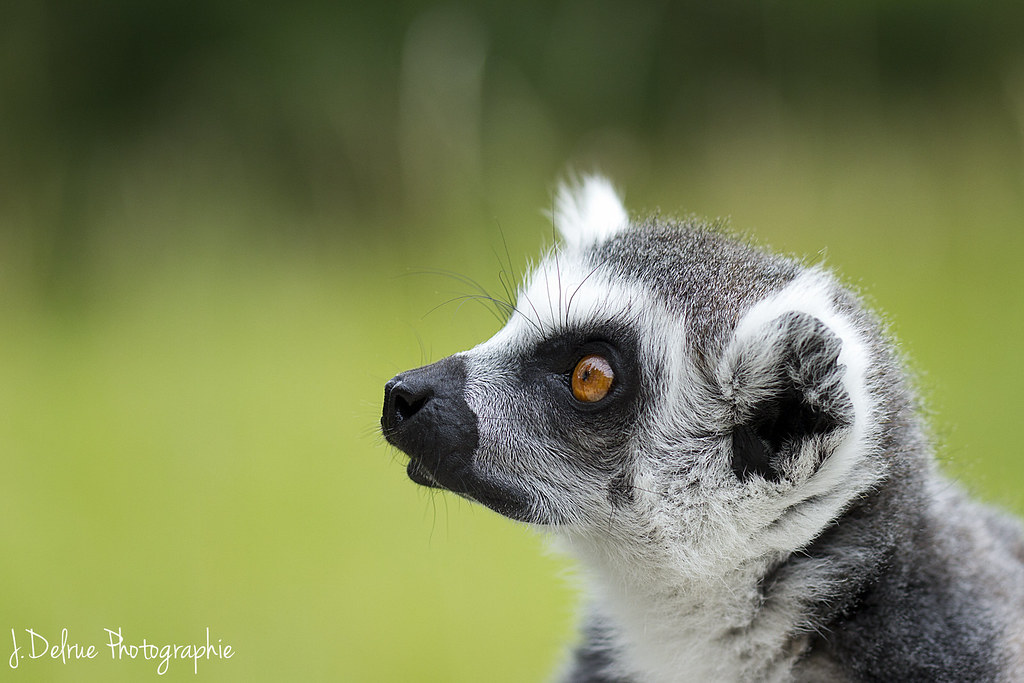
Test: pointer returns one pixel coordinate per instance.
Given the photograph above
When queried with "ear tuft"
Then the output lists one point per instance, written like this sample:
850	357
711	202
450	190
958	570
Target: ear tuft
588	210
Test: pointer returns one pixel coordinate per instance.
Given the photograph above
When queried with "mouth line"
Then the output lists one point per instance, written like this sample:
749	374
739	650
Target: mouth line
500	502
422	476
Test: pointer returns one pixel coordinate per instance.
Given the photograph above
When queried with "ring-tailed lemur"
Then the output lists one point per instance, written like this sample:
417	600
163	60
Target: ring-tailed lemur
727	441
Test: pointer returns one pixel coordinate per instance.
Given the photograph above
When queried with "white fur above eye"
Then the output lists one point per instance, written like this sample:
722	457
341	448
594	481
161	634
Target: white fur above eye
588	210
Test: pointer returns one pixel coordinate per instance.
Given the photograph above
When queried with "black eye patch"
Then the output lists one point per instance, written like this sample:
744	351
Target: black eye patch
594	435
554	360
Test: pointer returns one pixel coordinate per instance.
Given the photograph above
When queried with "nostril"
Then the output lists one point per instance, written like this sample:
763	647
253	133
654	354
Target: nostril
402	401
406	406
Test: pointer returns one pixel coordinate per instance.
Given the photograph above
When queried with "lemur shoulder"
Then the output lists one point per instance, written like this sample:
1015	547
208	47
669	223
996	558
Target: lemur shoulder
728	442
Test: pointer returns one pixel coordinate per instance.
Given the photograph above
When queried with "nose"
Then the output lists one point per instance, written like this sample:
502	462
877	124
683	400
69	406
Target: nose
426	415
404	398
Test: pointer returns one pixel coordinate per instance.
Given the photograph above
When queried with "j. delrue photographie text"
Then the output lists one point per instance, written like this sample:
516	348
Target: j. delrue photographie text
29	645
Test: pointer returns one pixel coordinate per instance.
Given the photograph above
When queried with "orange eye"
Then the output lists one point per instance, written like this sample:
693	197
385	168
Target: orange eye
592	379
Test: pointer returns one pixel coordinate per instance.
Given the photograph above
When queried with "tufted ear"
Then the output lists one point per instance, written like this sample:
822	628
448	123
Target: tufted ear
786	386
588	210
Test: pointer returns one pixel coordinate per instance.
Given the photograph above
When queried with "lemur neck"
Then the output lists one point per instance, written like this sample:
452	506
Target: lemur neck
720	629
749	622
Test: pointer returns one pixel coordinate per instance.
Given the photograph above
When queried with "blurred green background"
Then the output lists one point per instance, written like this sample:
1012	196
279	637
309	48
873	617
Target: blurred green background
215	219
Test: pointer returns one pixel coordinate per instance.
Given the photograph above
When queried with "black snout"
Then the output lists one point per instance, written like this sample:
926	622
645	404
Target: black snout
426	415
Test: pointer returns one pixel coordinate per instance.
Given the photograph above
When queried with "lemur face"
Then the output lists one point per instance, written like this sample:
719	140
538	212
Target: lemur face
657	386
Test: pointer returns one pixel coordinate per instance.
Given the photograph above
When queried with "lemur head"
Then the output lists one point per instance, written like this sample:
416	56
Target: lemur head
660	389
